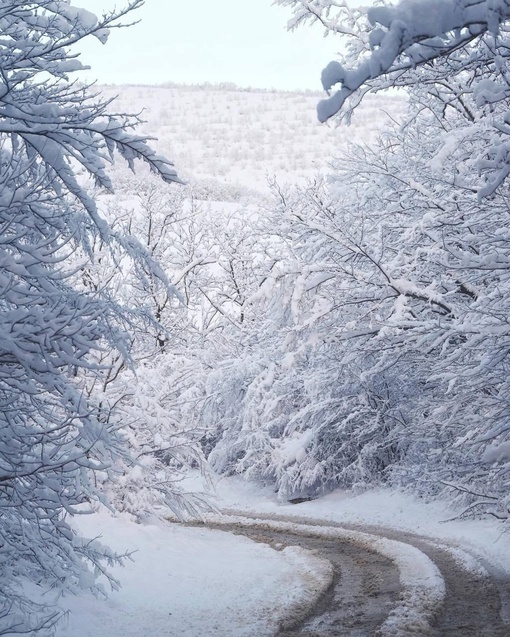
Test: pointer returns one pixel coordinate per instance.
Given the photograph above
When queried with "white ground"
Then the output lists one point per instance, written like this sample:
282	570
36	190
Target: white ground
188	582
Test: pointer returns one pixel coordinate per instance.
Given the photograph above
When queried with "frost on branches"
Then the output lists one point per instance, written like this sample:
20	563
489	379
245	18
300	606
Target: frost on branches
452	48
380	348
154	398
53	437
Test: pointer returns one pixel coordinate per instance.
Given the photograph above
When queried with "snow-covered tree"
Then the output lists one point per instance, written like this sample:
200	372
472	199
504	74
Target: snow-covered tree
310	404
455	50
154	397
437	246
53	438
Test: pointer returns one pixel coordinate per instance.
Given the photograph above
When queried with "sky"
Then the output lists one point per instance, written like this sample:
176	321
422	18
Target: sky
193	41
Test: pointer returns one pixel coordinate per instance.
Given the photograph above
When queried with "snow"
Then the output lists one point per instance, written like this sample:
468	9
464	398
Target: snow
497	453
423	588
451	140
294	447
480	546
433	17
484	540
85	19
189	581
225	141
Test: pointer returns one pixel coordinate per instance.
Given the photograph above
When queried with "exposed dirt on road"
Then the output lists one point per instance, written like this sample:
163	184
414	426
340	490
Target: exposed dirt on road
475	605
366	585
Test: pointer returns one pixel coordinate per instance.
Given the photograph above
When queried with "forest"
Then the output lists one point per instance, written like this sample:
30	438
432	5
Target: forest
328	309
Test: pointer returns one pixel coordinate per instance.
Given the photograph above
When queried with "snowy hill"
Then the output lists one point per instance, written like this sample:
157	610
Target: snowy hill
241	136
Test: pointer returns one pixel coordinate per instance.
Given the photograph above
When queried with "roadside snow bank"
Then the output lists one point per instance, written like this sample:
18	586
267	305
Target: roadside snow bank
186	582
423	587
423	590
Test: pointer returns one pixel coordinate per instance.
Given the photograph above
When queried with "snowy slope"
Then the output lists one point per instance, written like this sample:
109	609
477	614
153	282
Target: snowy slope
241	137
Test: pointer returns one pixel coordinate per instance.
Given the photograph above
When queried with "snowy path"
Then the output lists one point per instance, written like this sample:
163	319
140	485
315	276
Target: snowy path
386	565
365	586
368	599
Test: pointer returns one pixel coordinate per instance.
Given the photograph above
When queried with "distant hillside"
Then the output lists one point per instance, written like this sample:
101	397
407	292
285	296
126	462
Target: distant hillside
239	136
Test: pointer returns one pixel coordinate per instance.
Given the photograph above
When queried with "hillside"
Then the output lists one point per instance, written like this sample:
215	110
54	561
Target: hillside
239	137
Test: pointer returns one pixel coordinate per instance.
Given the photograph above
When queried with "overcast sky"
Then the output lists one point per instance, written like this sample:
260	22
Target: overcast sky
193	41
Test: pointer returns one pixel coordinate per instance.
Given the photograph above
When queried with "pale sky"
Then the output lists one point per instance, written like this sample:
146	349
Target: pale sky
194	41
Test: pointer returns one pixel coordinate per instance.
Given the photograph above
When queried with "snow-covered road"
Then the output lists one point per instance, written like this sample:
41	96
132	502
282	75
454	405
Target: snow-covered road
388	582
383	563
468	559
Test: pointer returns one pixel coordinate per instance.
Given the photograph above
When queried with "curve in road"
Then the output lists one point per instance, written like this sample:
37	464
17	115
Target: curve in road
367	585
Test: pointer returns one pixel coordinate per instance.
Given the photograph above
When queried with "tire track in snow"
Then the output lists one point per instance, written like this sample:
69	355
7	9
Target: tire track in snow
421	589
364	588
471	605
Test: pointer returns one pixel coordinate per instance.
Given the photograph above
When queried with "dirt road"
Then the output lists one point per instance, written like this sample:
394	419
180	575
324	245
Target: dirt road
366	585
